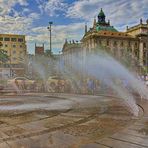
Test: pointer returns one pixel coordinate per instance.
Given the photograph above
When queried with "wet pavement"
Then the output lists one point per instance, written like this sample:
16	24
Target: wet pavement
69	121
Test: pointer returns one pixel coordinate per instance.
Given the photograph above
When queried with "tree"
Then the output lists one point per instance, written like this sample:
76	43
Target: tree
3	55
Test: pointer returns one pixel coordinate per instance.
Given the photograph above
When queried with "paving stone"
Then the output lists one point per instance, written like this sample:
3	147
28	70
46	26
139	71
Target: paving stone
94	145
4	145
117	144
21	143
77	128
131	139
3	135
134	133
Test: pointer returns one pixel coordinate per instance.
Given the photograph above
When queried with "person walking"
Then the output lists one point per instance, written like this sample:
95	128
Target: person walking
91	86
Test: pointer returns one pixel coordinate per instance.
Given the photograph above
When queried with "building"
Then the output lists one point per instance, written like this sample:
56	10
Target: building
39	50
133	42
15	47
70	49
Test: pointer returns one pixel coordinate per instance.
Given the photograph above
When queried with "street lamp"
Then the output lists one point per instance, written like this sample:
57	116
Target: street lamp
49	28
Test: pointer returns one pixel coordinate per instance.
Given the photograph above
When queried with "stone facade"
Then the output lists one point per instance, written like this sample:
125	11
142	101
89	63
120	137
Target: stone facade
15	47
39	50
133	42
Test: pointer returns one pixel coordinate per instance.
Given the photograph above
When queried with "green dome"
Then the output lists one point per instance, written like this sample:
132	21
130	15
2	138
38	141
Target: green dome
101	13
106	28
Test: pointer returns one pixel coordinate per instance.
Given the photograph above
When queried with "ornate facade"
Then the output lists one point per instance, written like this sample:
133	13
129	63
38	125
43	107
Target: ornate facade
133	42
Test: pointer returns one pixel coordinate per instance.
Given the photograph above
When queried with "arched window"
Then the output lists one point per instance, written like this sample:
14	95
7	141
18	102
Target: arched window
144	45
136	45
100	42
136	52
107	42
129	43
122	44
115	44
144	57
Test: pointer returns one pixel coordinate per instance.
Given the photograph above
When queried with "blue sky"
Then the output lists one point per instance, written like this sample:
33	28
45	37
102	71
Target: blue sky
31	17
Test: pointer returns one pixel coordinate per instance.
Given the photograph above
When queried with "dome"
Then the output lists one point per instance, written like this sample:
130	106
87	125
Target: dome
101	13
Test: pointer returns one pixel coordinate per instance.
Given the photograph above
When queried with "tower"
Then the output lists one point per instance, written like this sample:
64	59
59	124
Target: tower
39	50
101	17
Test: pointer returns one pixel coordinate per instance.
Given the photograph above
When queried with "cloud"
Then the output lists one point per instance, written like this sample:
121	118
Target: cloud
51	7
120	13
6	6
18	24
59	34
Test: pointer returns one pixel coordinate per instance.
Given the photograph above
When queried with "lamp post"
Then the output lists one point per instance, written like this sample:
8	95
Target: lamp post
49	28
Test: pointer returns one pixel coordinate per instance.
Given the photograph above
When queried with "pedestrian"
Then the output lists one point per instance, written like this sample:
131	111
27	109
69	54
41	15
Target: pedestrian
91	86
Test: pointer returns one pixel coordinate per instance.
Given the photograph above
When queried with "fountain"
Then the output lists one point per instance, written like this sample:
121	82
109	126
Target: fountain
75	117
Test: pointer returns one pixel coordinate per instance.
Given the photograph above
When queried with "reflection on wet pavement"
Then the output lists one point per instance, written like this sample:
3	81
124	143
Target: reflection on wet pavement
67	122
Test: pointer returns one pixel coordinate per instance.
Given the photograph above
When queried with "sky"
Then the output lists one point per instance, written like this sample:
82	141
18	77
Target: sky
31	18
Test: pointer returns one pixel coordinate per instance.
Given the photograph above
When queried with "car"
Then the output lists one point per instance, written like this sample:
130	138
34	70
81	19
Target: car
20	82
57	84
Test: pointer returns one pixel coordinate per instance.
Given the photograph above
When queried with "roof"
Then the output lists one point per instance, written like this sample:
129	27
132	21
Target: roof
11	35
106	28
137	27
71	45
106	33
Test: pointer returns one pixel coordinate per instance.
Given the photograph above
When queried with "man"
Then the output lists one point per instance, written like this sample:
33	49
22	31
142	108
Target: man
91	86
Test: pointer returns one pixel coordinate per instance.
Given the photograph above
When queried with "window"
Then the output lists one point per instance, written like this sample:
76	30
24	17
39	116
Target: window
20	40
136	45
21	46
122	44
6	45
144	57
7	39
1	44
1	39
144	45
107	43
100	42
13	39
14	52
115	43
14	46
129	50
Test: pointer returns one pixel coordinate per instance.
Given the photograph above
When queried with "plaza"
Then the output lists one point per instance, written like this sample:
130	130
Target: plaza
66	120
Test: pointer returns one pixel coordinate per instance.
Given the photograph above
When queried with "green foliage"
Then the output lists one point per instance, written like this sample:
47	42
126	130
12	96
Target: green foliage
3	56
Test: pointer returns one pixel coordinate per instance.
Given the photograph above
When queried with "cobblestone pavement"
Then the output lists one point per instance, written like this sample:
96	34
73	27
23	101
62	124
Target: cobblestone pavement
69	121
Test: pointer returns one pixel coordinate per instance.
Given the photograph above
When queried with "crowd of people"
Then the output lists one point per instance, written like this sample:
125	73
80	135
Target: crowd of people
86	86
